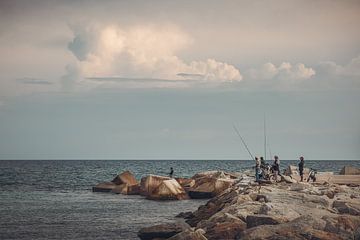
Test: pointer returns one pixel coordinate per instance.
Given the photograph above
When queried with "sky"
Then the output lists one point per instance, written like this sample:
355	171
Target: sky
169	79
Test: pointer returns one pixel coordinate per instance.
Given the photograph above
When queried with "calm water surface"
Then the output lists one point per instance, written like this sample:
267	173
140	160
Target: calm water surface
53	199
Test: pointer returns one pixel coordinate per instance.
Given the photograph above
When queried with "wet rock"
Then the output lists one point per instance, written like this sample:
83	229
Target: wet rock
168	190
185	215
125	178
161	231
190	234
133	189
150	183
104	187
260	219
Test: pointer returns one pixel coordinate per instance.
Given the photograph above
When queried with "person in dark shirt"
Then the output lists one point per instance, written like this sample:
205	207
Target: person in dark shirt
257	169
301	168
276	167
171	172
262	162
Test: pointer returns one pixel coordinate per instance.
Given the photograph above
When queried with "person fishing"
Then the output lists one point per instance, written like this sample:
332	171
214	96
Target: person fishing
257	169
301	168
262	162
276	167
171	172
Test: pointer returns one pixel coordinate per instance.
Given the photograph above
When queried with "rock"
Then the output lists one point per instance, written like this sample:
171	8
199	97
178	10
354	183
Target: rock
189	234
208	187
259	219
133	189
348	207
104	187
123	189
349	170
126	189
344	225
215	174
287	179
168	190
185	182
185	215
126	177
161	231
226	230
304	227
149	183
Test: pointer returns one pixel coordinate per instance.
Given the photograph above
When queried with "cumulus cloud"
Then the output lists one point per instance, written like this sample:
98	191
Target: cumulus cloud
142	52
351	69
285	71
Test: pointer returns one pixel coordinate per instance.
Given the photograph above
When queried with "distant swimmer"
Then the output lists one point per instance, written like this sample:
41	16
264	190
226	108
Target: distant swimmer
171	172
301	168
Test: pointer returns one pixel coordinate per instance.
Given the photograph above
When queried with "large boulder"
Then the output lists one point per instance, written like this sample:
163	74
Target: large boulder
260	219
349	170
185	182
104	187
133	189
304	227
287	179
125	178
168	190
207	187
215	174
345	225
347	207
226	230
162	231
120	189
149	183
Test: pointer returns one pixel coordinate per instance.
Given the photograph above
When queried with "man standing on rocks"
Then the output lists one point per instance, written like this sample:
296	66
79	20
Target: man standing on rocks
276	167
257	168
171	172
301	168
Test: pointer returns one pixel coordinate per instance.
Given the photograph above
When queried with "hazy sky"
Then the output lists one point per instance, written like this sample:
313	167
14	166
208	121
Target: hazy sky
168	79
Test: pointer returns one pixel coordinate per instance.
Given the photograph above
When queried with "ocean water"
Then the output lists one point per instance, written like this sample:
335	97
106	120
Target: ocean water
53	199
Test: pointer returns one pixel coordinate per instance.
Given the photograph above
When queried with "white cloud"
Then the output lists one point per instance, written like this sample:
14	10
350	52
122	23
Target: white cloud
142	52
286	71
352	69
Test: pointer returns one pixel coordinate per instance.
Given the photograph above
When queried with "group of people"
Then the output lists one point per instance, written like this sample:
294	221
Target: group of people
261	167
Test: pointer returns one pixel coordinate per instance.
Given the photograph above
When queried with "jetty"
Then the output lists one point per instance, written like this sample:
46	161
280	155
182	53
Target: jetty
241	208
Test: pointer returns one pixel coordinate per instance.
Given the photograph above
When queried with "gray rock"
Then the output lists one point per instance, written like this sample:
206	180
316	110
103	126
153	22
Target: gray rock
260	219
161	231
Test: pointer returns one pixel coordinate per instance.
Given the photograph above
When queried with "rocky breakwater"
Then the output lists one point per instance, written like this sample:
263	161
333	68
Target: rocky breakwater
154	187
283	210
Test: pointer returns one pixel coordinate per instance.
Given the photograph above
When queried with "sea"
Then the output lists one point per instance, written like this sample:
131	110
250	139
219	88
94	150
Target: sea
53	199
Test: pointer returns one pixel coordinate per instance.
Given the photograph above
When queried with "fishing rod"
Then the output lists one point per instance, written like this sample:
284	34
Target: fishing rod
264	137
242	140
